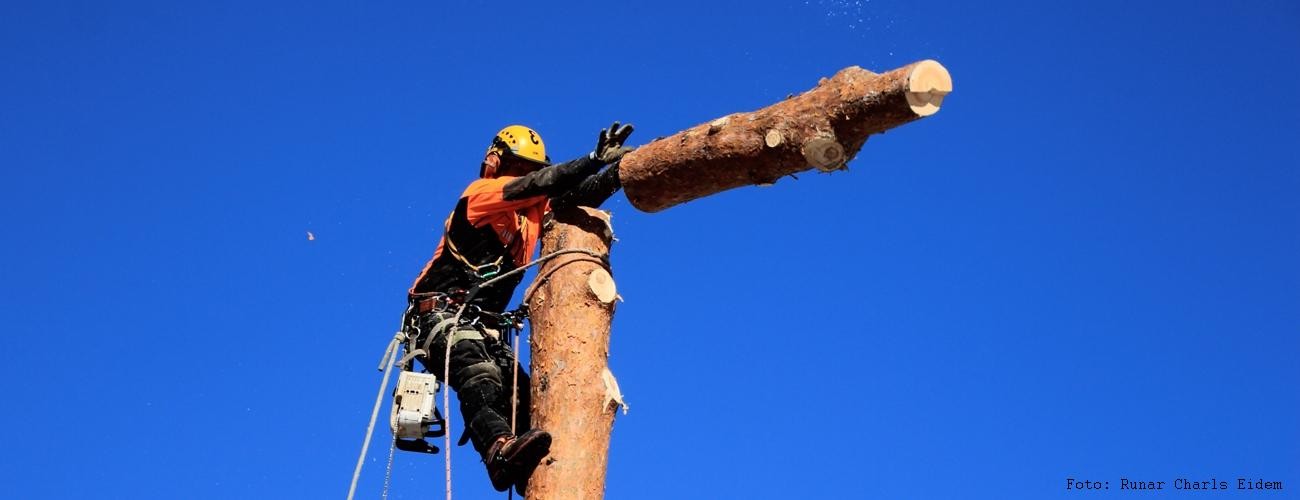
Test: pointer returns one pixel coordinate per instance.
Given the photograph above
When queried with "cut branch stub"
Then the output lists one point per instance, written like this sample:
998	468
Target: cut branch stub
822	128
824	153
773	138
602	285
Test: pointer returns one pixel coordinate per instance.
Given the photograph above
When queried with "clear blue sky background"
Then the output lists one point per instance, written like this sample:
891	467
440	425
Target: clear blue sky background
1085	266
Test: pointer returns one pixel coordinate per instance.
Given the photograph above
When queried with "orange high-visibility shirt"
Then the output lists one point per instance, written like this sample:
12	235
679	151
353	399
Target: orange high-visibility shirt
516	223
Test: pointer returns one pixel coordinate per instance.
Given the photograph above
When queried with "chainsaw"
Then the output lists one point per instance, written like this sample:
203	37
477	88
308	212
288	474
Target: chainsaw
415	417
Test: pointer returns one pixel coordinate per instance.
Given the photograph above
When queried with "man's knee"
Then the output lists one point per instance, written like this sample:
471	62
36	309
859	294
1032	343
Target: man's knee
477	386
478	373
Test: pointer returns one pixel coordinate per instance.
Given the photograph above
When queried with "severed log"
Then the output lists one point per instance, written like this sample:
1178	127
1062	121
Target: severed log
574	395
822	128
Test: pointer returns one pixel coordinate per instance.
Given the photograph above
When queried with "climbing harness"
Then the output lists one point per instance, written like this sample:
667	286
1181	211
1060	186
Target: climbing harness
414	415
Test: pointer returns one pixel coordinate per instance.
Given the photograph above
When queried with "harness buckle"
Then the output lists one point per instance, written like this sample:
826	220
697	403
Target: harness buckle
436	302
489	270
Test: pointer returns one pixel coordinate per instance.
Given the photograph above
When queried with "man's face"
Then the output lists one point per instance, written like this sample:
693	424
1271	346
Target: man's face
496	164
491	164
513	166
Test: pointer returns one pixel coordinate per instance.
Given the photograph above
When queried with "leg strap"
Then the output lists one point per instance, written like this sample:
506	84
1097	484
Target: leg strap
465	334
441	328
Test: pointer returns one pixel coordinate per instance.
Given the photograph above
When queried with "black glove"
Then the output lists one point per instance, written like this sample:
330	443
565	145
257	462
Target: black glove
592	191
609	145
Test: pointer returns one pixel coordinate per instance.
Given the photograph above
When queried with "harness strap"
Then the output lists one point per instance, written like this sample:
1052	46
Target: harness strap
441	328
465	334
412	355
478	269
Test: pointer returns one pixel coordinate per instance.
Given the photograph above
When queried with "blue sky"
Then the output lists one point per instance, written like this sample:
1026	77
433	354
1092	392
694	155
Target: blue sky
1085	266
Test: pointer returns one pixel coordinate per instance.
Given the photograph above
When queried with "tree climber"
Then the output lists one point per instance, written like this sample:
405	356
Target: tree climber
495	228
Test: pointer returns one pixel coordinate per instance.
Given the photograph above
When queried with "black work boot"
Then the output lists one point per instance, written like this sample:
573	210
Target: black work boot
525	470
509	457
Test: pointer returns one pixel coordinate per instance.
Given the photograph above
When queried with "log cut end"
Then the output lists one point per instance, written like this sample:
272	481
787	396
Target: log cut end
927	85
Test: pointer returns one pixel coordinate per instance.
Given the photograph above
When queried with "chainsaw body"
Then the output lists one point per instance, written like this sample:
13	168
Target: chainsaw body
415	417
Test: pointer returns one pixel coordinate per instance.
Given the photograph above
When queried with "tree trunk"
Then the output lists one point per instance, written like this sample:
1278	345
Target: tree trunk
574	395
822	128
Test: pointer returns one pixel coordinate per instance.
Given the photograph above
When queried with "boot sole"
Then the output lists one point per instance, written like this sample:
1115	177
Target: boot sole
528	457
528	464
521	464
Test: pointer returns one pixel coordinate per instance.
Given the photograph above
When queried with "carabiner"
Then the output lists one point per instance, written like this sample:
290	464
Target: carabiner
493	270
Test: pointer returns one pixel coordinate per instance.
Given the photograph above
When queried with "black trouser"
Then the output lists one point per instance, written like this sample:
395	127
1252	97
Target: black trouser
481	368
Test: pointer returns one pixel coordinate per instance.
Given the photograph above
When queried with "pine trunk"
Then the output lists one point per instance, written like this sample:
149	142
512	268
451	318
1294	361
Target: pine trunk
574	395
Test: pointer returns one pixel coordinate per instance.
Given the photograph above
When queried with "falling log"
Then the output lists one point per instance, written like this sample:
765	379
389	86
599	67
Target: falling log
574	395
822	128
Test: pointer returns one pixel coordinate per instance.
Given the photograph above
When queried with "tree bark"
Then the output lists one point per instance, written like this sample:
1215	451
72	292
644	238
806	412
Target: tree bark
822	128
574	395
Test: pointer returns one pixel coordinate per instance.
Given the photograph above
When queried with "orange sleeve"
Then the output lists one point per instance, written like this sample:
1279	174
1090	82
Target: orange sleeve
486	197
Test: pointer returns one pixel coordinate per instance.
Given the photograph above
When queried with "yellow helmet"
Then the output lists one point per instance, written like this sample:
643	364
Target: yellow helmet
522	142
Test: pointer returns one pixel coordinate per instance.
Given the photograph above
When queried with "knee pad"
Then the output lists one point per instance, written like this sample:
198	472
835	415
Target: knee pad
479	390
478	385
477	373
